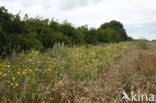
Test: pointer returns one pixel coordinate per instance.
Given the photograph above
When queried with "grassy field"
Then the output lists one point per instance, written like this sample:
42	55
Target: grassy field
81	74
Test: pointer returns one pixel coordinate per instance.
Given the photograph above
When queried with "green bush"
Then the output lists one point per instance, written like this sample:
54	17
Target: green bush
37	33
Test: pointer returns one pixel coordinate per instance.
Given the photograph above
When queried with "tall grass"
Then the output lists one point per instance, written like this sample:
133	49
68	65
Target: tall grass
33	77
143	44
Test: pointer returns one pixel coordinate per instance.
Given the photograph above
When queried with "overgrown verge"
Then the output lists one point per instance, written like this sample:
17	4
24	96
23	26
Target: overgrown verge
139	72
143	44
56	75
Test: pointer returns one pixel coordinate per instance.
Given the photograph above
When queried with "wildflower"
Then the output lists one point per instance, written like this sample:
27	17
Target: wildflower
93	54
49	70
96	68
19	69
22	89
51	66
14	86
4	75
56	72
18	73
30	70
76	56
11	84
27	78
36	52
17	84
13	78
23	72
1	73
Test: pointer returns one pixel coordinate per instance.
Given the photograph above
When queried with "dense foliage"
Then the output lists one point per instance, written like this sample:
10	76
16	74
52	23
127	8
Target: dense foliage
37	33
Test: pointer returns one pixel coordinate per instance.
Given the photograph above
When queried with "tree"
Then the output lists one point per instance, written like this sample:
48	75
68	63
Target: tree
30	41
92	37
74	35
38	33
116	27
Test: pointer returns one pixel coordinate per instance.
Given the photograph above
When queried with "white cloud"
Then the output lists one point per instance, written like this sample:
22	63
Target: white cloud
135	13
146	35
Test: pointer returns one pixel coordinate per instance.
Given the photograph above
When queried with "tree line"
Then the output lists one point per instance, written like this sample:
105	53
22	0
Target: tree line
37	33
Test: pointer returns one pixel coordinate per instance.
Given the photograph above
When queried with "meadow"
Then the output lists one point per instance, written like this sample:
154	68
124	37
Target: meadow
35	77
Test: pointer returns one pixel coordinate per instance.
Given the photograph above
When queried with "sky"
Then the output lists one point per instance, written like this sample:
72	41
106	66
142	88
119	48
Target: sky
137	16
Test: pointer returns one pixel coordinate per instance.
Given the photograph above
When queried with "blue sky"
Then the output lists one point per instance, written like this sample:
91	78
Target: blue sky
138	16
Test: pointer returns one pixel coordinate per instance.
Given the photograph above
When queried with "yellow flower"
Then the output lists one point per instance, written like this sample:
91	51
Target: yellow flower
17	84
12	84
27	78
51	66
36	52
49	70
93	54
30	70
13	78
4	75
76	56
1	73
18	73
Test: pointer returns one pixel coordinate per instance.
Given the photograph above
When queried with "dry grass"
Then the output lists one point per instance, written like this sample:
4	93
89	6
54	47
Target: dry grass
136	71
143	44
62	74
